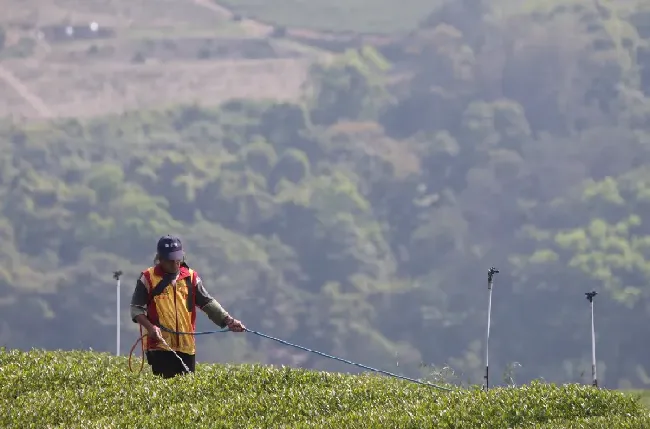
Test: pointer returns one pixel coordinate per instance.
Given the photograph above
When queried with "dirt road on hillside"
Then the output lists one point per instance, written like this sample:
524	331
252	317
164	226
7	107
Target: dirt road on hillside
252	27
35	101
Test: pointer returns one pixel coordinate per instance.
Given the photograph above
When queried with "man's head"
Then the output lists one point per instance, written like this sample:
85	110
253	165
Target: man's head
170	253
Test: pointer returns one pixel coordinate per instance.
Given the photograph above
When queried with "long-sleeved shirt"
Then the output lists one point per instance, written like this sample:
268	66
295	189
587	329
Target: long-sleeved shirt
204	301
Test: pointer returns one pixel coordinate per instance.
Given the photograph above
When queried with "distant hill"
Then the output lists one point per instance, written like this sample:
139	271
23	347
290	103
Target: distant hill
84	58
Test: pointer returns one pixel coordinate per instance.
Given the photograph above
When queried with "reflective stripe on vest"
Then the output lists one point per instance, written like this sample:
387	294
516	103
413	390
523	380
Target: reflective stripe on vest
172	306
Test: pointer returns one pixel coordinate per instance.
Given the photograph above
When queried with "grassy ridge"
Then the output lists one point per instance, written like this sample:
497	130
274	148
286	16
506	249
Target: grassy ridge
91	390
379	16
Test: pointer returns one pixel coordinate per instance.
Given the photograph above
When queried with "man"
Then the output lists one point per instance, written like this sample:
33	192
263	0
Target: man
167	294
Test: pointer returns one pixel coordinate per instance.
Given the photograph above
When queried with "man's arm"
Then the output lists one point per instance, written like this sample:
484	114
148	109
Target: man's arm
139	301
139	309
210	306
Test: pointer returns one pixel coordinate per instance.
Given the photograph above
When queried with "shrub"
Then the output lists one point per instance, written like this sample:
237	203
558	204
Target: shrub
94	390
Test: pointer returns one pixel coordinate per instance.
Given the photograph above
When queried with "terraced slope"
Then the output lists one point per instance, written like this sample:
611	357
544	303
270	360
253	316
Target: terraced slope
141	54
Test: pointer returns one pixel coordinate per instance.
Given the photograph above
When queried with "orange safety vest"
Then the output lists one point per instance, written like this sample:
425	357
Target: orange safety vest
172	305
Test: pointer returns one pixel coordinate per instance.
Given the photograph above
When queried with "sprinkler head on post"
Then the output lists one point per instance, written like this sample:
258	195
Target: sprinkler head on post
491	272
591	295
117	274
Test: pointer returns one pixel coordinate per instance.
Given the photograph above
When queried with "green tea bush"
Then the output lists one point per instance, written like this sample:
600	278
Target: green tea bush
40	389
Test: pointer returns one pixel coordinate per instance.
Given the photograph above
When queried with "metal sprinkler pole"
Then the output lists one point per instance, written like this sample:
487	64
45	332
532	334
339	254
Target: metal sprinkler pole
116	276
594	376
491	272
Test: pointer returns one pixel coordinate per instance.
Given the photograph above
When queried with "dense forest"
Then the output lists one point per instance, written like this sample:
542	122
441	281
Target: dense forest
362	221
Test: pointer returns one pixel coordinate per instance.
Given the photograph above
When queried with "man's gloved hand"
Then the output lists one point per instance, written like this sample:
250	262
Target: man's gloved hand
234	325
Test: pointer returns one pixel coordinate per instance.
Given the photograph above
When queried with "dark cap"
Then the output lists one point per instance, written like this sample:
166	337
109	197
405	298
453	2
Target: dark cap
170	248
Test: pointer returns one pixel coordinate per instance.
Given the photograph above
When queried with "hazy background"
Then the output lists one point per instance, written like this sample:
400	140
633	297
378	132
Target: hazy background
343	174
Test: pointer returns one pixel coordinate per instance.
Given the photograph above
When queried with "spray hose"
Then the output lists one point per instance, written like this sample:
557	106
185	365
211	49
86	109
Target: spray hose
286	343
141	341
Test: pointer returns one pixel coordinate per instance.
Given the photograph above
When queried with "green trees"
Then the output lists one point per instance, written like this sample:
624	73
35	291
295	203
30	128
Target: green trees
361	222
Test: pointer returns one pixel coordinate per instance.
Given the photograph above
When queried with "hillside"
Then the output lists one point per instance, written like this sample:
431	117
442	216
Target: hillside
147	53
360	218
140	54
90	390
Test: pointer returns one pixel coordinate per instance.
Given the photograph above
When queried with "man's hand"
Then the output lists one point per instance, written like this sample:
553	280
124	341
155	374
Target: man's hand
235	325
155	333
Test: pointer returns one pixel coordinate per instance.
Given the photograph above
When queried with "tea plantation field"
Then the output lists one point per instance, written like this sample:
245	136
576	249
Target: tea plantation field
80	389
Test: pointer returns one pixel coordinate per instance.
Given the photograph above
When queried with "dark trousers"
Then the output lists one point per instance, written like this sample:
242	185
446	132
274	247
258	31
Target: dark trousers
164	363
